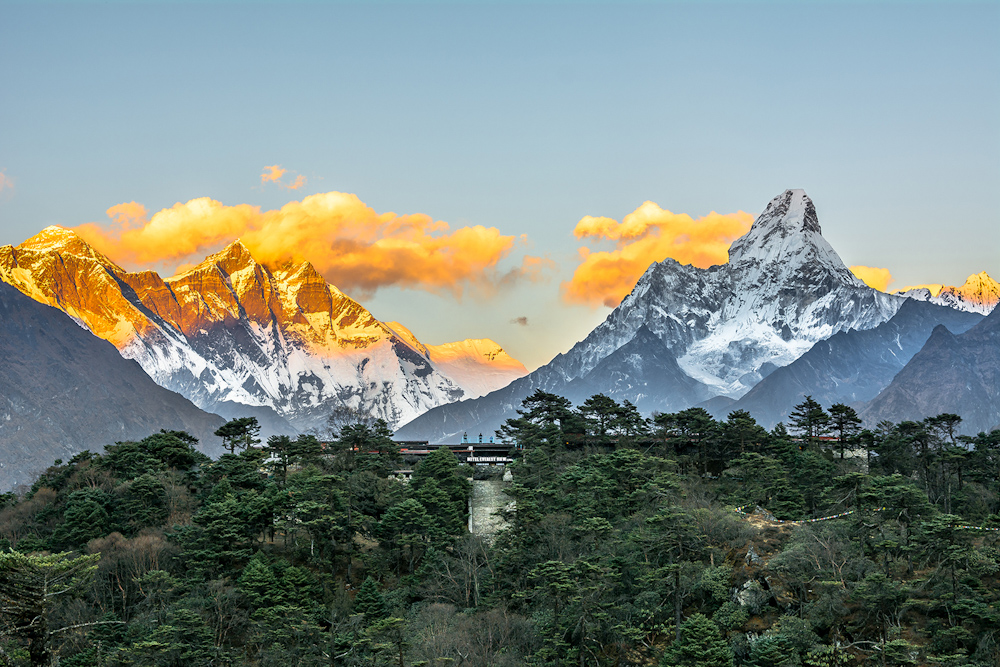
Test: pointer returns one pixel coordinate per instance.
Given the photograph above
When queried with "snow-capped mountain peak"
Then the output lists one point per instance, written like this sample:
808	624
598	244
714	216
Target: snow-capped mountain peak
409	338
980	293
787	239
789	218
65	241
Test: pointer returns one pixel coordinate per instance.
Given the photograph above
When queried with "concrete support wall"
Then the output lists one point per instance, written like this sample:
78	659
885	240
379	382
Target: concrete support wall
487	498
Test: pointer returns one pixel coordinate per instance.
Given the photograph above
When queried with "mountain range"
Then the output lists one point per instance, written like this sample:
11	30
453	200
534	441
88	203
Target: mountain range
851	367
237	337
701	332
953	372
783	319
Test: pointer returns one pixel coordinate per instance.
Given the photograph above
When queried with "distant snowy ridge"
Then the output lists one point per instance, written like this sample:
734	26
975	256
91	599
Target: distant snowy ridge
233	330
980	294
477	365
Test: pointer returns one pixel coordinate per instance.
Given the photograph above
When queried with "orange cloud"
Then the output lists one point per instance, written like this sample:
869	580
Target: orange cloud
272	173
353	246
128	215
5	182
873	277
648	234
933	287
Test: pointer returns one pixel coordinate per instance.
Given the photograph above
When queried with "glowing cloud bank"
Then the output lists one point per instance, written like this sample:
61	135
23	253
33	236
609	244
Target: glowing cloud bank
648	234
875	278
353	246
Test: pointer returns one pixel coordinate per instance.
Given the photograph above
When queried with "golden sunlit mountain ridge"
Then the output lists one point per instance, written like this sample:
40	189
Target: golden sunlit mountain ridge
232	329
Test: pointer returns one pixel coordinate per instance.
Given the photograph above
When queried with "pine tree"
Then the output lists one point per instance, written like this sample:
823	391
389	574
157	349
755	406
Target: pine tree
175	448
85	518
280	448
440	487
140	503
369	601
599	413
742	433
259	584
699	645
448	516
299	586
543	421
846	423
629	423
766	651
239	433
183	639
810	420
408	526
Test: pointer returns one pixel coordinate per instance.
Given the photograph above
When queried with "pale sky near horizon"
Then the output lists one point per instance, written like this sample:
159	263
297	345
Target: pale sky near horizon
519	116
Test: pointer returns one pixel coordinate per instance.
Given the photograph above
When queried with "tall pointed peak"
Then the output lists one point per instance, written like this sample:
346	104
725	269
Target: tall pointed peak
407	336
788	227
234	252
52	233
792	210
294	277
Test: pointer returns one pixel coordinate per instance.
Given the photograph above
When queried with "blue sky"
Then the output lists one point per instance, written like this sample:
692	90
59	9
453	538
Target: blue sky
521	117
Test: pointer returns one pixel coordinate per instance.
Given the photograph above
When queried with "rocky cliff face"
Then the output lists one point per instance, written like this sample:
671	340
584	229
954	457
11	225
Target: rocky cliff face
63	390
232	332
783	289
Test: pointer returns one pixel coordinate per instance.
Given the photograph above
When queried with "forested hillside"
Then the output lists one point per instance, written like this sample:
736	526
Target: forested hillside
680	540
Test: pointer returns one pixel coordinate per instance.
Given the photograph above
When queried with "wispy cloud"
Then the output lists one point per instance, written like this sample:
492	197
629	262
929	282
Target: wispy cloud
272	174
648	234
520	321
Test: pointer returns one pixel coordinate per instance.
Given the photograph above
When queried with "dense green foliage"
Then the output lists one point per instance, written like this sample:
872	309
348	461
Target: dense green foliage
623	547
